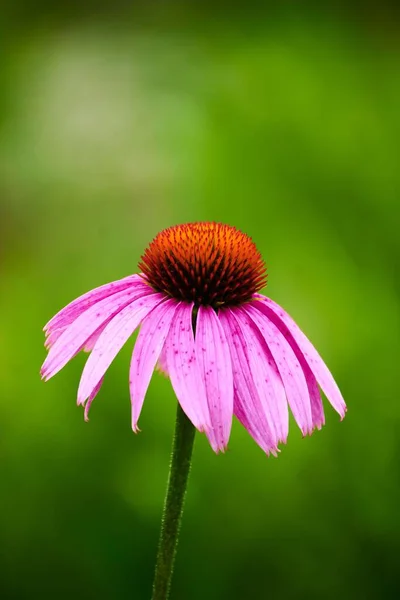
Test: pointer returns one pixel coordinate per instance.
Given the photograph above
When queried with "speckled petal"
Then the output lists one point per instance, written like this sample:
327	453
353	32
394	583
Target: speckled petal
161	365
69	313
295	336
149	343
265	375
247	405
76	335
289	368
181	364
111	340
91	342
213	356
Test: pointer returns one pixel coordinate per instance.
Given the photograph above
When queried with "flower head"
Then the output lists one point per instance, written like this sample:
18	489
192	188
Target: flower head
227	349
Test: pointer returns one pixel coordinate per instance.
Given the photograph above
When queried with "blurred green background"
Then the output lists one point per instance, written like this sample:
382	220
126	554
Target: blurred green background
116	122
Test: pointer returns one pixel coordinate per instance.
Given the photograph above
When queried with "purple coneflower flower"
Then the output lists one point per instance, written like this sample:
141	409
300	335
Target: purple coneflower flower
227	349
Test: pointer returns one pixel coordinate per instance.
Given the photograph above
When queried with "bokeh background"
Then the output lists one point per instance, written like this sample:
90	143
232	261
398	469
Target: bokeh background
116	121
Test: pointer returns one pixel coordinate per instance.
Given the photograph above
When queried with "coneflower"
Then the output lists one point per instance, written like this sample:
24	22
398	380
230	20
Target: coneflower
227	349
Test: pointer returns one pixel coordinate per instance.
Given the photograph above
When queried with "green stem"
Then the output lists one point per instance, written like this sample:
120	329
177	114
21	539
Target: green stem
181	458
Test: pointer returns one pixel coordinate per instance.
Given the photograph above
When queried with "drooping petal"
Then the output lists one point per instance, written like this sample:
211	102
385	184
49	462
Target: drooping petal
296	337
149	343
289	368
92	396
90	342
247	405
75	336
317	410
52	336
75	308
162	361
213	357
183	369
111	340
265	375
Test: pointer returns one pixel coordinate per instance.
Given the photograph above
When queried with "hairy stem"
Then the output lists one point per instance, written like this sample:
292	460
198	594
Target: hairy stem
181	459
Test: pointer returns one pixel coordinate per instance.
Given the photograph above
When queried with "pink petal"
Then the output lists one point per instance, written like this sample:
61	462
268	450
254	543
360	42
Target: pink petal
289	369
247	405
70	312
184	370
149	343
89	345
317	409
90	342
92	396
162	361
294	335
52	336
75	336
213	356
265	375
110	342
